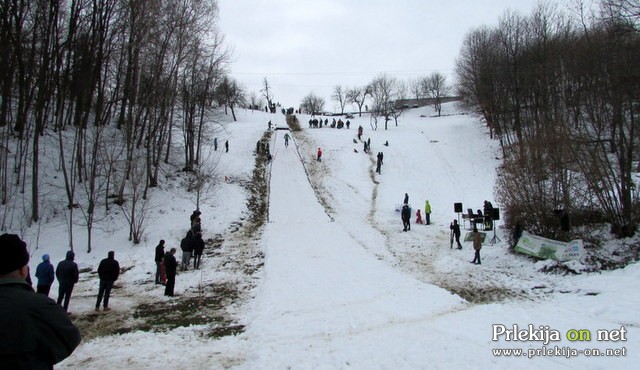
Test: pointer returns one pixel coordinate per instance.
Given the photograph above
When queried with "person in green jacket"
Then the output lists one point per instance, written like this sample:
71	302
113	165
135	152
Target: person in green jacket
427	212
35	332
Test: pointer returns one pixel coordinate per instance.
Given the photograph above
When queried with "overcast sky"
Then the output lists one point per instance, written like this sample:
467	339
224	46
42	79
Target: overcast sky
305	46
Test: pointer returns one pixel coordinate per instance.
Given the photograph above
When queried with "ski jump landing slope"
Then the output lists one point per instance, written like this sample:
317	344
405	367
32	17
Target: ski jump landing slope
324	301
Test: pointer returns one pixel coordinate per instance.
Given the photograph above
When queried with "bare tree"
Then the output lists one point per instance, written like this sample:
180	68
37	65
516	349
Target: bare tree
340	96
255	101
383	93
358	96
312	104
435	87
415	87
268	95
230	94
399	106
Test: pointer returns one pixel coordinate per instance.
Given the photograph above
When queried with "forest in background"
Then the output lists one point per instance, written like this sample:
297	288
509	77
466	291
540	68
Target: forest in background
559	89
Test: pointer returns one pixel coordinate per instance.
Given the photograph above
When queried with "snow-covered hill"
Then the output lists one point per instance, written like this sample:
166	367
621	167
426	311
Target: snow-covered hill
331	280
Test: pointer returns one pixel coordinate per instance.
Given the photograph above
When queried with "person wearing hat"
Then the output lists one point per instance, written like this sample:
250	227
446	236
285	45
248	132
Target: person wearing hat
35	332
67	274
45	275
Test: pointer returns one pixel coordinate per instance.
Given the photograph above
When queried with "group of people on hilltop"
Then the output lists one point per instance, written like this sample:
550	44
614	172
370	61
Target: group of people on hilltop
317	123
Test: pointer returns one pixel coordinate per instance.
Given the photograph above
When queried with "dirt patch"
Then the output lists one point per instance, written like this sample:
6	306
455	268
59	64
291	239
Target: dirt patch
235	252
207	309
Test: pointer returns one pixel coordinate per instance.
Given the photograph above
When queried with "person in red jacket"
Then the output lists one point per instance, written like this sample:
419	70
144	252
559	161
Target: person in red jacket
319	157
418	217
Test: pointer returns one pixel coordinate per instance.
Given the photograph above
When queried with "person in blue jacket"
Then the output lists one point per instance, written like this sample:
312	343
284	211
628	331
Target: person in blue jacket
45	275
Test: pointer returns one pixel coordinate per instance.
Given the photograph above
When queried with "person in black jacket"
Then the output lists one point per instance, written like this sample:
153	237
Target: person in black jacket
198	248
186	244
67	274
170	265
405	214
455	227
158	259
108	271
35	332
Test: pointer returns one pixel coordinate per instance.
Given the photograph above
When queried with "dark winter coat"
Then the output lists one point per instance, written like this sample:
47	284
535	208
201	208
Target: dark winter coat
455	228
67	270
109	269
187	244
45	274
159	253
170	264
198	246
405	214
35	332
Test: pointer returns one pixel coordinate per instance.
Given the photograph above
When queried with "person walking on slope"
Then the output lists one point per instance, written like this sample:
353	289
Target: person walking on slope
405	214
477	245
427	212
68	275
170	265
418	217
286	140
406	199
158	259
379	163
319	155
108	272
455	228
45	275
36	333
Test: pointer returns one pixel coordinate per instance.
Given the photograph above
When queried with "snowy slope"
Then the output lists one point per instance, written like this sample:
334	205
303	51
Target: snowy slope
342	286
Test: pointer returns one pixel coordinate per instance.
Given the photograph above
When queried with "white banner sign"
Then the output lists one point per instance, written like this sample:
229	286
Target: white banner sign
544	248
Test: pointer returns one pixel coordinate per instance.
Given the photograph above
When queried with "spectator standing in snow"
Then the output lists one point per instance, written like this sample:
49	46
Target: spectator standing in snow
405	214
456	232
406	198
36	333
215	143
198	248
45	275
427	212
158	259
186	245
379	163
319	155
477	245
108	272
226	146
170	265
360	132
418	217
67	274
